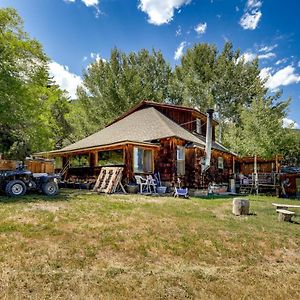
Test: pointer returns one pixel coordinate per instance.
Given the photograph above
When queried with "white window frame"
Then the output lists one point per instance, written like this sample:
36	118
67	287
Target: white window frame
220	163
180	156
135	167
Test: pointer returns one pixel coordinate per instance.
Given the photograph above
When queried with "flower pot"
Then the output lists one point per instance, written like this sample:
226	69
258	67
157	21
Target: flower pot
161	189
132	189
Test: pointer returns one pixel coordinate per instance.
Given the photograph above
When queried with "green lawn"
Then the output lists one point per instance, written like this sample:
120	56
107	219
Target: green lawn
84	246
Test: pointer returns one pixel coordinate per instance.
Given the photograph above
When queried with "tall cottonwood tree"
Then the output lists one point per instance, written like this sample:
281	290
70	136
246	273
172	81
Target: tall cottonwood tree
31	108
206	78
112	87
260	130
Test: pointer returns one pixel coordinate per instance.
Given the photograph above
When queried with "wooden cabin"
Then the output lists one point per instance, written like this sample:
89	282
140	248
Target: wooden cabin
150	138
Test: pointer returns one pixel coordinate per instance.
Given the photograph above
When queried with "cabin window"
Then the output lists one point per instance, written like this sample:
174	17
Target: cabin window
79	161
220	163
110	158
198	126
180	160
143	160
58	162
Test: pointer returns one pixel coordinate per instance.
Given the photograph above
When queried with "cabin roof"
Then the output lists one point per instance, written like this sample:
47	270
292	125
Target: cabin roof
145	104
143	125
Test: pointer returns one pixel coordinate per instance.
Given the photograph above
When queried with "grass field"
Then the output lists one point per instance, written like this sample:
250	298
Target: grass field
86	246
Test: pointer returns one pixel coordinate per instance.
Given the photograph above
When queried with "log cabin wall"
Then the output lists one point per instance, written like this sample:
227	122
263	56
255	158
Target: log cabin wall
166	160
217	174
187	119
193	166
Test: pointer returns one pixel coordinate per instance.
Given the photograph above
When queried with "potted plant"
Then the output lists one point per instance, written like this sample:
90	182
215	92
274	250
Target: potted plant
132	188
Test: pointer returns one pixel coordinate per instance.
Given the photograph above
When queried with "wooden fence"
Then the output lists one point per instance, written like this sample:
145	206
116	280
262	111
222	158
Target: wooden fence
33	165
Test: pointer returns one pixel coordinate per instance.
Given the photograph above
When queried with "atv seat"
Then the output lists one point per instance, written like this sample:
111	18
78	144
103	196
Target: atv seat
38	175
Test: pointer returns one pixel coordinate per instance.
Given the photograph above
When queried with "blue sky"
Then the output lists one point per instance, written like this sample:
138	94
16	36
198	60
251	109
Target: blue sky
76	32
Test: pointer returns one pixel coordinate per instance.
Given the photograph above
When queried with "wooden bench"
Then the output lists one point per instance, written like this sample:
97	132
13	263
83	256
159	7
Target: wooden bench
285	206
285	215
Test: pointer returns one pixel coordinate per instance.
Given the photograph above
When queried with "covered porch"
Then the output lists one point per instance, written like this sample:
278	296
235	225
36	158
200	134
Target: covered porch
81	167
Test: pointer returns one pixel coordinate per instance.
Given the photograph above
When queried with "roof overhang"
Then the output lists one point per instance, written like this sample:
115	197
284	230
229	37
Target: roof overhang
62	152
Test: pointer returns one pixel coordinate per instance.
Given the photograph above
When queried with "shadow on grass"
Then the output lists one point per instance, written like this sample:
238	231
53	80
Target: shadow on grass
216	197
64	195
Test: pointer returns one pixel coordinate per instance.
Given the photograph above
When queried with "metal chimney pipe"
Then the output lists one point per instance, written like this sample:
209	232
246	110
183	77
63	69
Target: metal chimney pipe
208	140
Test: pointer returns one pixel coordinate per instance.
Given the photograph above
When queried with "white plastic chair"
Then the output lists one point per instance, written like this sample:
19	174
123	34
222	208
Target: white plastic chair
151	183
142	182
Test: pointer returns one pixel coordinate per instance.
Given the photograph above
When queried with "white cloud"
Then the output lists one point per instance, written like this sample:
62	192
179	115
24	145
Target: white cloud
267	55
64	78
249	56
178	31
160	11
265	73
89	3
86	2
268	48
299	63
281	61
201	28
179	51
283	77
252	15
97	57
289	123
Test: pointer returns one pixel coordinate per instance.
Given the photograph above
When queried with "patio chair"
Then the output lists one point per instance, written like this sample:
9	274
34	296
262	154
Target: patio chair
151	183
142	182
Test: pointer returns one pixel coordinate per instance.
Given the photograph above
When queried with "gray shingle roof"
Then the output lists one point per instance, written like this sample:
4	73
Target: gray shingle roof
141	126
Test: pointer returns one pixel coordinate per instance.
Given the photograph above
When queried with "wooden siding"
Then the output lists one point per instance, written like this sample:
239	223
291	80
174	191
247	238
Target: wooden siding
245	165
166	162
35	166
187	119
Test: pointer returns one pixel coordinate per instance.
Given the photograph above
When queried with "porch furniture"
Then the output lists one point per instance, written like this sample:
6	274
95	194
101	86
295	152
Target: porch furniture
180	192
284	206
151	183
285	215
142	182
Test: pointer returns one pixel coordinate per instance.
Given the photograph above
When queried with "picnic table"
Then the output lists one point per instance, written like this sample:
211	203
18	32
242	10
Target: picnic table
285	206
283	210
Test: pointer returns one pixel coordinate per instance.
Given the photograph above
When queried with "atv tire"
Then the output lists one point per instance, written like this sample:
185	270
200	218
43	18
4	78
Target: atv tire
50	188
15	188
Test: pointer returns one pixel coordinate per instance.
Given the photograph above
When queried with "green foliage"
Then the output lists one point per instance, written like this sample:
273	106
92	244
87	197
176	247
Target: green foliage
35	115
32	110
112	87
223	80
292	151
260	130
